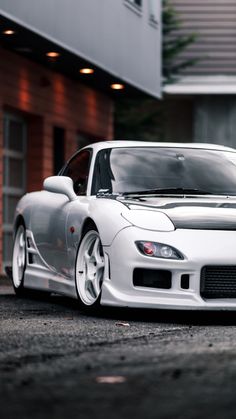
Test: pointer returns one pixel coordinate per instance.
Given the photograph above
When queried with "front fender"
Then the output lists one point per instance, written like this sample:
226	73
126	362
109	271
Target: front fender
106	214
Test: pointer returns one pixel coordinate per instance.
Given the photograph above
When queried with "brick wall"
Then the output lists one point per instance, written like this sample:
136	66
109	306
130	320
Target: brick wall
46	99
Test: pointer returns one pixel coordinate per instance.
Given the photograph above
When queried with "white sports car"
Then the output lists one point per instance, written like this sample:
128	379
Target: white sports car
133	224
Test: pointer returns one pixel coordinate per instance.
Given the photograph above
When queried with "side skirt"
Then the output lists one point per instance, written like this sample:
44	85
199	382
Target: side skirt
40	276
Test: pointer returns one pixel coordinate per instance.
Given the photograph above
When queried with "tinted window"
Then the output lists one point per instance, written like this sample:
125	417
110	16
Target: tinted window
130	169
78	170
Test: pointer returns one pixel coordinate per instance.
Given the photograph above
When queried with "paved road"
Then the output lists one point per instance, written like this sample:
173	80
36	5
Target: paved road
56	362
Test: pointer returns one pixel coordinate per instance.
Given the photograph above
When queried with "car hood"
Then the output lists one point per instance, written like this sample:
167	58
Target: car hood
191	213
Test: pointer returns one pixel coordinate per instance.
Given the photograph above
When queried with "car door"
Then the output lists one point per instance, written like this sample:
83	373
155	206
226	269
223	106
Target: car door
50	218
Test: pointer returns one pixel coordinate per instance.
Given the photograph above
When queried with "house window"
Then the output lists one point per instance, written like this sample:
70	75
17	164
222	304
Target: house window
135	5
14	176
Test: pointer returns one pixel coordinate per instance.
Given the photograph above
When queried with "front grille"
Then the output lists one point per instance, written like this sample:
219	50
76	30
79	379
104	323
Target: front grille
218	282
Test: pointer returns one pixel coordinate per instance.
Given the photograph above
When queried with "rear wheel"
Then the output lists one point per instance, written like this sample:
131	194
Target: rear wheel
19	260
89	269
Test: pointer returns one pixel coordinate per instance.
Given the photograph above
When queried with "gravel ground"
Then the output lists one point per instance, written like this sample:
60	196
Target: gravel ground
56	362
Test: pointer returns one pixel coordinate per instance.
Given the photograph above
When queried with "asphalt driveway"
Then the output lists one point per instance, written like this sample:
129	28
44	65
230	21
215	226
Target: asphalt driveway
57	362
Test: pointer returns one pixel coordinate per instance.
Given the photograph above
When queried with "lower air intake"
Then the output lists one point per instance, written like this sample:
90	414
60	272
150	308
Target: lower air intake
152	278
218	282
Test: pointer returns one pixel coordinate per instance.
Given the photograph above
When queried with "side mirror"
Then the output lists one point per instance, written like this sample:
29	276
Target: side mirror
60	184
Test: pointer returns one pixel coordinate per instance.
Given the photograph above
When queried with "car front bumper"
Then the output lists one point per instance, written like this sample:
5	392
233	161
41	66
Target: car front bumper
199	247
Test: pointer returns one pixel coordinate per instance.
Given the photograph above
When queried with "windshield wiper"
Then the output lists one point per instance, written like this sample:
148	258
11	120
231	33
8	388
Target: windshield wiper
181	191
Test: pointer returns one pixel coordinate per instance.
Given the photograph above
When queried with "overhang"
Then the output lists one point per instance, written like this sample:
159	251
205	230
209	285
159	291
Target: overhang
34	46
121	46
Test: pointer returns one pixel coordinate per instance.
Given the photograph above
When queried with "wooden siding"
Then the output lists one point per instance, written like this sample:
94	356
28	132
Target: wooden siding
46	99
214	23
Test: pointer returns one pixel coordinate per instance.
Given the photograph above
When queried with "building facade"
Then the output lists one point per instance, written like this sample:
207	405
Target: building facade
201	103
62	65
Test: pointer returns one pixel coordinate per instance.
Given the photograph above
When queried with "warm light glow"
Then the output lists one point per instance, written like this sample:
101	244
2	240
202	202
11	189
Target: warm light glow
8	32
86	70
23	91
53	54
117	86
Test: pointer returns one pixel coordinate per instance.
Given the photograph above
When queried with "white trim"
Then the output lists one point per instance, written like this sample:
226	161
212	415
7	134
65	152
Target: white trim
154	13
202	85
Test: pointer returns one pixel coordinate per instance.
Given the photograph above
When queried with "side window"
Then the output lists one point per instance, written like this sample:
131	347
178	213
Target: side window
78	170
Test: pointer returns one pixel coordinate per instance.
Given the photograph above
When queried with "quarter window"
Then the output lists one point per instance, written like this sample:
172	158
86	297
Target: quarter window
78	170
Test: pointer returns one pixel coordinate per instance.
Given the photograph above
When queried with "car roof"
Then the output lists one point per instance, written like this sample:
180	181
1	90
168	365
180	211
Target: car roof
122	143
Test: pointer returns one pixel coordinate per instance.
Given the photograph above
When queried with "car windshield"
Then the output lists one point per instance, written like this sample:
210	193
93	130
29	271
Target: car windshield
165	170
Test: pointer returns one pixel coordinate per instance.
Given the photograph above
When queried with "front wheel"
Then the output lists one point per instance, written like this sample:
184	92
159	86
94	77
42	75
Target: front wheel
89	269
19	260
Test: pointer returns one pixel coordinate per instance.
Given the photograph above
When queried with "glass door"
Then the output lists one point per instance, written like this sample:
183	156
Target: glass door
14	176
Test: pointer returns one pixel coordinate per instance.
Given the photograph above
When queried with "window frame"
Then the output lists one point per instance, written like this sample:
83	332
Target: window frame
9	191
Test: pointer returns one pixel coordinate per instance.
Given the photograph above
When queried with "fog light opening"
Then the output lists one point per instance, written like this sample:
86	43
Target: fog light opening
152	278
184	282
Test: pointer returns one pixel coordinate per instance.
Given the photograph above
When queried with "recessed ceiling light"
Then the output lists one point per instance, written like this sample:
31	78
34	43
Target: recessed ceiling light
24	50
8	32
86	71
52	54
117	86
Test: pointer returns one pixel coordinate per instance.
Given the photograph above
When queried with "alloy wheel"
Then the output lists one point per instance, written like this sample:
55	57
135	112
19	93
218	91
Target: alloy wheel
19	257
90	268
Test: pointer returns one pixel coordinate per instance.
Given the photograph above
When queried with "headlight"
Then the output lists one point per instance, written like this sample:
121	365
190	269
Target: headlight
158	250
149	220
